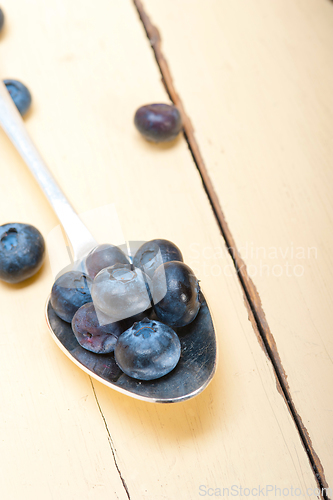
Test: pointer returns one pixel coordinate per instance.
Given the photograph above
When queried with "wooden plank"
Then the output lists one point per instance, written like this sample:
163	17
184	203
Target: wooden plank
257	86
88	71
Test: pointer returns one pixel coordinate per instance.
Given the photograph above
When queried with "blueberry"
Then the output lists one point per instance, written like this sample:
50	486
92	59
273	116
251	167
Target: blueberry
2	19
90	334
175	292
121	292
22	250
69	292
20	95
158	122
147	350
154	253
104	256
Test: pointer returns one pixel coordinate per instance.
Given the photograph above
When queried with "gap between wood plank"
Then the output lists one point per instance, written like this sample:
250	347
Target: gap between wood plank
113	450
251	295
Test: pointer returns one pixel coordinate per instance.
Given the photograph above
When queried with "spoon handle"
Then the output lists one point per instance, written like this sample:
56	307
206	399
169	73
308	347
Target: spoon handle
78	235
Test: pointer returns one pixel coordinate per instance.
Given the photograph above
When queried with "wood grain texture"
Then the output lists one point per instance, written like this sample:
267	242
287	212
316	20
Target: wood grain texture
61	436
262	114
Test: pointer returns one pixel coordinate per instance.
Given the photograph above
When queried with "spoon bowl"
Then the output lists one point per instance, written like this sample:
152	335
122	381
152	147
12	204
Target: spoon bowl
192	374
197	363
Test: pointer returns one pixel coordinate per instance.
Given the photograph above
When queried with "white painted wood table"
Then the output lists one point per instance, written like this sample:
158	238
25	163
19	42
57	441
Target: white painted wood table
252	173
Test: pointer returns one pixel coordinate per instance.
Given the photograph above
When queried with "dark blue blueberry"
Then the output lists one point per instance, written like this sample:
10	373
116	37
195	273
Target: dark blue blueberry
22	250
175	291
20	95
2	19
120	291
90	334
158	122
147	350
69	292
154	253
104	256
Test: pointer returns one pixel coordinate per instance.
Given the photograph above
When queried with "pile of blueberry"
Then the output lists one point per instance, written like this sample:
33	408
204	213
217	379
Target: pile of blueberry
130	308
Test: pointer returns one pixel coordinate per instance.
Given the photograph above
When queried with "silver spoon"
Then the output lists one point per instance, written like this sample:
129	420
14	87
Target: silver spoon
197	364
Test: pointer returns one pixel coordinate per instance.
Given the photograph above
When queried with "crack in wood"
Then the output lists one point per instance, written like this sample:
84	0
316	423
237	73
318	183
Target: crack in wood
113	449
251	296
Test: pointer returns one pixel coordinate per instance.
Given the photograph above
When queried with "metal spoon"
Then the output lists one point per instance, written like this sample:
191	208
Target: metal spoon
198	360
